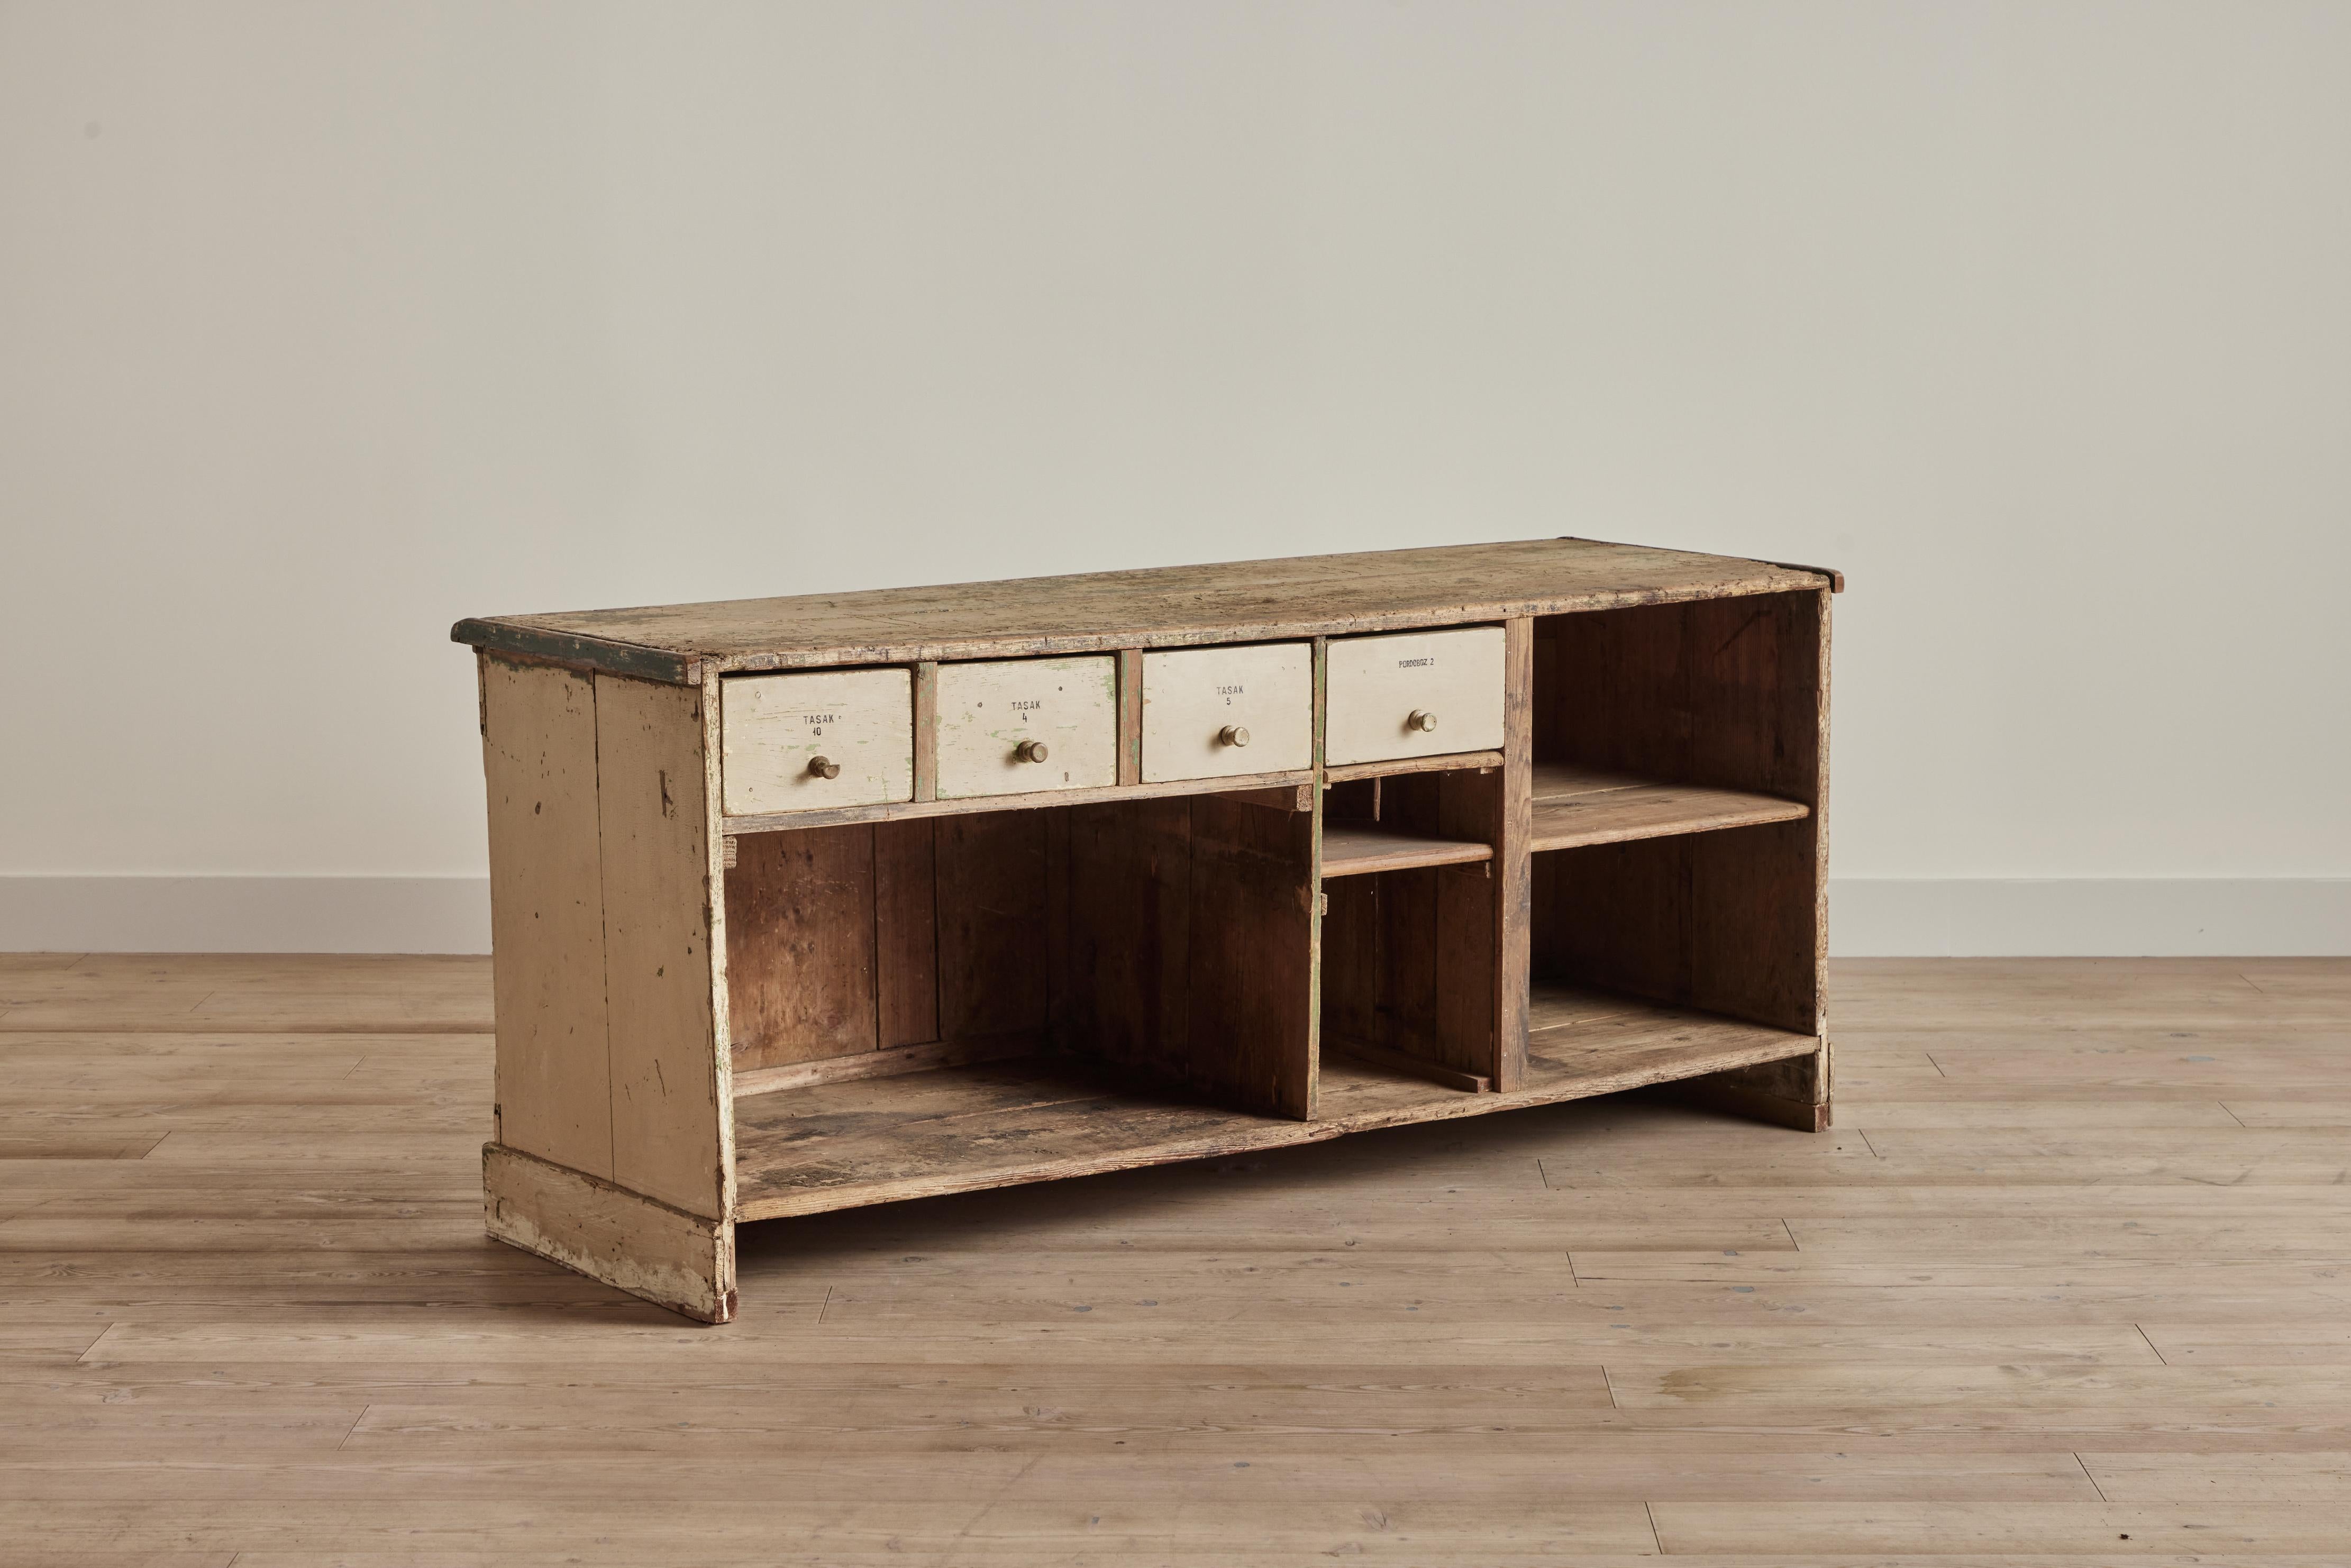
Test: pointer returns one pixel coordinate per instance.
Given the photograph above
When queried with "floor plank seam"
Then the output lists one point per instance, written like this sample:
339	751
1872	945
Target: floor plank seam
1655	1540
2153	1346
2232	1115
2091	1479
355	1426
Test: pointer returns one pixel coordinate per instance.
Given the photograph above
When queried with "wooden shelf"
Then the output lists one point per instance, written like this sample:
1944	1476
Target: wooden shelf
959	1129
1450	762
1580	1044
1575	806
1352	849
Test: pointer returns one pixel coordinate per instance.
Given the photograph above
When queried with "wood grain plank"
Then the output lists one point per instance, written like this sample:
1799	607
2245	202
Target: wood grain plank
1349	850
905	933
666	1111
992	917
546	913
1234	602
1651	811
1250	975
800	924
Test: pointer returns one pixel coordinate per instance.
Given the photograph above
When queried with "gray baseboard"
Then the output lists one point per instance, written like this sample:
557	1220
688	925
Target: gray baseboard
2003	917
2151	917
245	914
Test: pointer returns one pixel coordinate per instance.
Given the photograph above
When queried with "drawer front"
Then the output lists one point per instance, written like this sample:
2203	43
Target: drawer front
994	717
782	733
1214	713
1377	685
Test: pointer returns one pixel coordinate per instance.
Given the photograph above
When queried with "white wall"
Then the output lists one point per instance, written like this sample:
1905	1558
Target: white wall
323	325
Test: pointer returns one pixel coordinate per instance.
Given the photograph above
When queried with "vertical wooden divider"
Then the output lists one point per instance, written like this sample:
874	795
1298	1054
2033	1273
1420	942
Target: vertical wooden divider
1513	871
1130	716
1246	986
1318	901
926	731
719	855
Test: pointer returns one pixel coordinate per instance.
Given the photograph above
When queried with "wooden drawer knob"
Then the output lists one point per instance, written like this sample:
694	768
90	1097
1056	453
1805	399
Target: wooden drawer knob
1031	751
823	768
1232	735
1421	721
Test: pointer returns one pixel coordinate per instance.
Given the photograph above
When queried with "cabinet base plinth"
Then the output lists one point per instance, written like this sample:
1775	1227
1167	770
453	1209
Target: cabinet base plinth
673	1258
1791	1094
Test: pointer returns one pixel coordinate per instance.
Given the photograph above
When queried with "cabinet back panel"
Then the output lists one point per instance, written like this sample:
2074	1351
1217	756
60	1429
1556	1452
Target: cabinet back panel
800	942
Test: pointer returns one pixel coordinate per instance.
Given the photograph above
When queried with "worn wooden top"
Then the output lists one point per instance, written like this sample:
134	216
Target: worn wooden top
1157	607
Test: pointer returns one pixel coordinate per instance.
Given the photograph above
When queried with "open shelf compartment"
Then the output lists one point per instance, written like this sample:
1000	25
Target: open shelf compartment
1412	925
1676	919
1159	948
959	1129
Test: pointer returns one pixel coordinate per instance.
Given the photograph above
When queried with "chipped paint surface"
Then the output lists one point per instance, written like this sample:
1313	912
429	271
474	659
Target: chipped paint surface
627	1240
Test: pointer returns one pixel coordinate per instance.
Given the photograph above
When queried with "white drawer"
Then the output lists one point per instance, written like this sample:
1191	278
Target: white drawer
1213	712
1378	686
996	718
816	738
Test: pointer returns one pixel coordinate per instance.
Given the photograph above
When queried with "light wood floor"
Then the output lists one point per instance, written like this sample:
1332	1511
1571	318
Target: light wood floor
2070	1280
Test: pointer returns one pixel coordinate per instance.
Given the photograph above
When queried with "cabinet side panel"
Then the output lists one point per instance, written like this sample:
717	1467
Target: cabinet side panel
1754	924
657	943
546	913
1756	668
800	959
1821	837
1754	672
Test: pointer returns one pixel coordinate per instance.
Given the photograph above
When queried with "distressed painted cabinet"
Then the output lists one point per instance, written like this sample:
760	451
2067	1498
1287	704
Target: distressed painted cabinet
811	903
